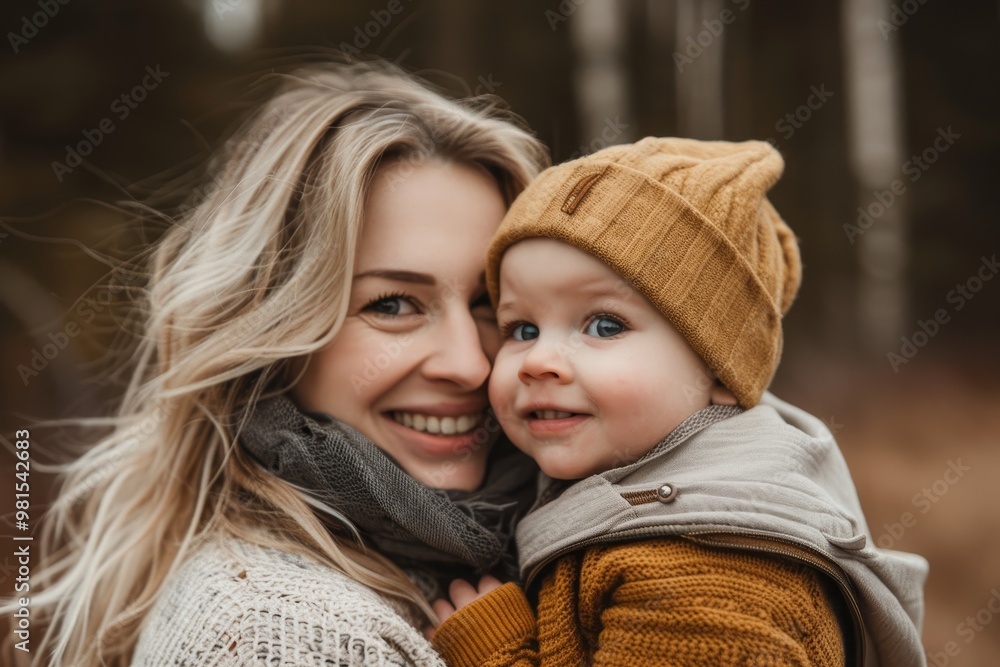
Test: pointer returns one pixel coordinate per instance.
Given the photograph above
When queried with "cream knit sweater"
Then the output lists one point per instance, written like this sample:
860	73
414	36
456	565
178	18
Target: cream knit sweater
235	603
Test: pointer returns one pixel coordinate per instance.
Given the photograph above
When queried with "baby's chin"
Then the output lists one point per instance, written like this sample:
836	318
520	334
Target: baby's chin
572	469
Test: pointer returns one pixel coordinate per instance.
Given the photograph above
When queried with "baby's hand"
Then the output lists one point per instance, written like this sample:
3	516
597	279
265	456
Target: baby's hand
463	594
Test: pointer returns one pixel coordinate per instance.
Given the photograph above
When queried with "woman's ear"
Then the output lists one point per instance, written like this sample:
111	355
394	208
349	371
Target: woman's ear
721	395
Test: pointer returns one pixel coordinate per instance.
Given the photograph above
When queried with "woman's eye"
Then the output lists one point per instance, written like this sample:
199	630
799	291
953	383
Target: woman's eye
524	331
603	326
391	305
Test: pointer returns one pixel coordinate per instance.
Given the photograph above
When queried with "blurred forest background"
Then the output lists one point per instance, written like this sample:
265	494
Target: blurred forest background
887	114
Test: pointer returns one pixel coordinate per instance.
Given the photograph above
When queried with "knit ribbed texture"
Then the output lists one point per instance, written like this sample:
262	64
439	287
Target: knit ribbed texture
660	602
689	225
233	603
499	622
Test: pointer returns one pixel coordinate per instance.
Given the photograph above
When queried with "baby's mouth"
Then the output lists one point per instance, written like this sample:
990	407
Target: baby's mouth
438	425
551	414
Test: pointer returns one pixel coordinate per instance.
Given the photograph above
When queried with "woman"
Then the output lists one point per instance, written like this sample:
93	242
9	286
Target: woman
327	294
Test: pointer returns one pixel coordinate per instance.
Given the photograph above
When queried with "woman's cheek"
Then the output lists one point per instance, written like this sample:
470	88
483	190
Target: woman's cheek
502	387
489	337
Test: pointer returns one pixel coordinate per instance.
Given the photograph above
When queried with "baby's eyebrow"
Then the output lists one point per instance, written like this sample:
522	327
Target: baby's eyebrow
610	294
619	290
504	306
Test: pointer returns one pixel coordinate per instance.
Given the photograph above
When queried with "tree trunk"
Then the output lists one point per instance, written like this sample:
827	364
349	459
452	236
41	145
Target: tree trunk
872	79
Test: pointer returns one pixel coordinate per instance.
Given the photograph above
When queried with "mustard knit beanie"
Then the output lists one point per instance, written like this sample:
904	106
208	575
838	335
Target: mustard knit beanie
687	223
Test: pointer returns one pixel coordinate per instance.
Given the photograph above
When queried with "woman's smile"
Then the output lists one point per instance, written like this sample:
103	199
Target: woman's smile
425	444
437	425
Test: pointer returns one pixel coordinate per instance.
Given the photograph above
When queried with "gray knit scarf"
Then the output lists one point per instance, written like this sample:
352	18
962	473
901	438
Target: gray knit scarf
433	535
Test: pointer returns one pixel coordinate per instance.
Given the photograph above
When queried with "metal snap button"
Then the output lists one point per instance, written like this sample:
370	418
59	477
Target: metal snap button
666	493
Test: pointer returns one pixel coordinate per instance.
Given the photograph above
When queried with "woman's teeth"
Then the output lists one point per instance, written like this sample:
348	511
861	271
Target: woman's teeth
551	414
438	425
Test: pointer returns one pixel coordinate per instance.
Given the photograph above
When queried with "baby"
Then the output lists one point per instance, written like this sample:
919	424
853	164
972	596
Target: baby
686	516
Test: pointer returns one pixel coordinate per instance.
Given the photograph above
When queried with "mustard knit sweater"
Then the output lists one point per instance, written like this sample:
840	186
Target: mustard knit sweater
657	602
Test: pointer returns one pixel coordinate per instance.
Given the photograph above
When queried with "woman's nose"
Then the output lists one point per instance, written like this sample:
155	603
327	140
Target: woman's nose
546	360
458	354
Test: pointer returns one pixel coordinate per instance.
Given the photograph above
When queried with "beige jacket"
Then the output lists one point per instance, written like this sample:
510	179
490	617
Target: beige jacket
770	480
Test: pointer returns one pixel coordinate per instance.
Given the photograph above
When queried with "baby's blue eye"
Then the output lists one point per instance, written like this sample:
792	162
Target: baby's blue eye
524	332
603	326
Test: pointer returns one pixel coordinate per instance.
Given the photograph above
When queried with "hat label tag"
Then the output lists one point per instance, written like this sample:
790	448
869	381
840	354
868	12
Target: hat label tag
579	191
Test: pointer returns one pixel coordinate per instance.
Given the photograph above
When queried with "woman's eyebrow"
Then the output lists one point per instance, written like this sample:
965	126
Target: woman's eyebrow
404	276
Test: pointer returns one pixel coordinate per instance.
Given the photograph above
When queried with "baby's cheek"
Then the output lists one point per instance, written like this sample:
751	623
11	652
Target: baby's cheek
628	390
649	408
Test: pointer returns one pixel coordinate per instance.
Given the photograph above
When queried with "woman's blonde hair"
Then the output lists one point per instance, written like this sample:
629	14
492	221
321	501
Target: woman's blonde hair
248	282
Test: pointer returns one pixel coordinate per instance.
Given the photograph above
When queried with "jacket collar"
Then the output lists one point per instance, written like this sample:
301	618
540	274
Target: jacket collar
772	473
